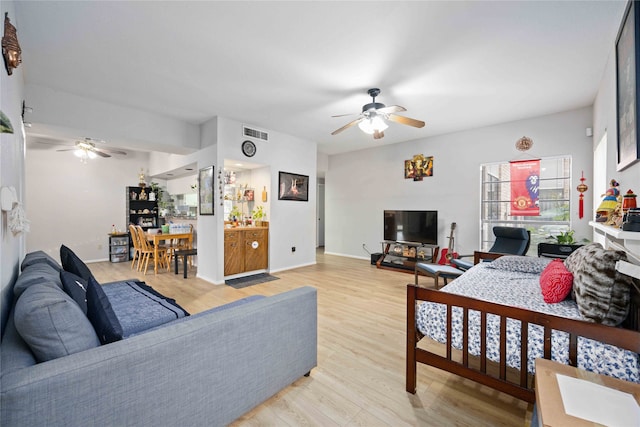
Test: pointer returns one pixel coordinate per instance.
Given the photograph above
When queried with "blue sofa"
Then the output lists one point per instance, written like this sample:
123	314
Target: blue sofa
202	370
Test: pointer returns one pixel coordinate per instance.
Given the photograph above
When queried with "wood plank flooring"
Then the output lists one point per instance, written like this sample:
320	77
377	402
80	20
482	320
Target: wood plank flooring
360	376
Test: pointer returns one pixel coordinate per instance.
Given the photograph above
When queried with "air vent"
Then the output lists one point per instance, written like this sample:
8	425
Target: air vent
254	133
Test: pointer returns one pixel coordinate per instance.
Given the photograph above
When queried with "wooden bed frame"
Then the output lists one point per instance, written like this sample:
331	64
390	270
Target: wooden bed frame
627	338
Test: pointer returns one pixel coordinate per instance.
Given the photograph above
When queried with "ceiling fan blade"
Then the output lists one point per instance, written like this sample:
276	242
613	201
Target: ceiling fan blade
347	126
344	115
391	109
378	134
406	121
122	153
68	149
101	153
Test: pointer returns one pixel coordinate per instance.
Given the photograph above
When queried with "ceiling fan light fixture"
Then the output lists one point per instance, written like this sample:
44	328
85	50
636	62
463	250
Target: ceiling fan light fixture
372	124
91	154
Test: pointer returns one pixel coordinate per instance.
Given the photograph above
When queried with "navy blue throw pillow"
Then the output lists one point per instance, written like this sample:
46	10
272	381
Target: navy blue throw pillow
76	287
73	264
101	314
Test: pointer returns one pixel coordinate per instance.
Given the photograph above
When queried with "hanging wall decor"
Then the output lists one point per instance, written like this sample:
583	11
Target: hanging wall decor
418	167
10	47
205	191
627	67
582	187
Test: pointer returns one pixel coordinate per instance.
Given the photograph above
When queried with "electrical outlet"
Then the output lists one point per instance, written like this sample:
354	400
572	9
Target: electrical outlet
293	248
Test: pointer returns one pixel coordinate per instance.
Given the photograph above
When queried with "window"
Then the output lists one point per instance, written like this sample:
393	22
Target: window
554	197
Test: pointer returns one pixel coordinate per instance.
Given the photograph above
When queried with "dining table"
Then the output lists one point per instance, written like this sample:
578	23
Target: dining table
156	238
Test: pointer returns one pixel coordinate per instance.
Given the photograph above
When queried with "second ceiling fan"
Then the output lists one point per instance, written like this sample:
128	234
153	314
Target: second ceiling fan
373	116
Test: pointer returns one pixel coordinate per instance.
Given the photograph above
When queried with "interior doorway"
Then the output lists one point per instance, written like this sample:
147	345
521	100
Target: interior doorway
320	215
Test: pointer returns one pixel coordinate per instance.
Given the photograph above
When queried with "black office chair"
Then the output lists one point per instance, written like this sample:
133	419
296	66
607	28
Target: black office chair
509	240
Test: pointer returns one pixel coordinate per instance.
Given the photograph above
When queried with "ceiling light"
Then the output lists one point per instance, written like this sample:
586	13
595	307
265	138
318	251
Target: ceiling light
91	154
372	123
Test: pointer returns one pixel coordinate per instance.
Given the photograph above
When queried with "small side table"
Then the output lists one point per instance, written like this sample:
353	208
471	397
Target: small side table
185	254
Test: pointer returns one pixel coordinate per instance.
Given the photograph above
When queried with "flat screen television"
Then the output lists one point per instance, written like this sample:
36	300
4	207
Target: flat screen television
411	226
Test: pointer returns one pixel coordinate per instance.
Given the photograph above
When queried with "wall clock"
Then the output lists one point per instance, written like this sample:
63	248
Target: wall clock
248	148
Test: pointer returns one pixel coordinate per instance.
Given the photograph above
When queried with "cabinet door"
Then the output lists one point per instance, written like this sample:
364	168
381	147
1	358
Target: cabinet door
256	250
233	252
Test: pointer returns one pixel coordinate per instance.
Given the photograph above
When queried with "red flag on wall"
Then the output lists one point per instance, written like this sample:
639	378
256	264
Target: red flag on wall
525	181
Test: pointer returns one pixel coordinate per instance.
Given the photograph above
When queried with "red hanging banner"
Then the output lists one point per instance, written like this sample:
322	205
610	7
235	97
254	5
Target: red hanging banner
525	181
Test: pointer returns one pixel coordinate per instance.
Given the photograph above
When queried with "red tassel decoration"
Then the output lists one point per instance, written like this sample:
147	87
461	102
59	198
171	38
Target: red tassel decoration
582	187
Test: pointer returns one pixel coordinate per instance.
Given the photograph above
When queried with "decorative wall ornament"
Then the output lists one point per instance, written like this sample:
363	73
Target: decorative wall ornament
418	167
524	143
582	187
10	47
17	220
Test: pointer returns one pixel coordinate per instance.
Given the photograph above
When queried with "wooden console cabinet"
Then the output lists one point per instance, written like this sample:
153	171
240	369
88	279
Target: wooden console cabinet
245	249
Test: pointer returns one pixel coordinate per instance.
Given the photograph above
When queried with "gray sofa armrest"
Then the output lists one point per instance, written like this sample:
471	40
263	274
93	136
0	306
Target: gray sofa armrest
208	370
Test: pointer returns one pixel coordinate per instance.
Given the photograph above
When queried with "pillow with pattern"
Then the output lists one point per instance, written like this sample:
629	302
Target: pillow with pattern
602	294
518	263
555	282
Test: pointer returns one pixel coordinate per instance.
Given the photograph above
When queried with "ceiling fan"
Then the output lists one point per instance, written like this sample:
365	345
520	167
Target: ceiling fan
86	149
373	116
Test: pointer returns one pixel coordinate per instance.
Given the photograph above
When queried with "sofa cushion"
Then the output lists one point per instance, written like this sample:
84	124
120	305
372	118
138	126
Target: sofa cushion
556	282
76	287
602	294
36	274
52	324
72	263
38	257
101	314
518	263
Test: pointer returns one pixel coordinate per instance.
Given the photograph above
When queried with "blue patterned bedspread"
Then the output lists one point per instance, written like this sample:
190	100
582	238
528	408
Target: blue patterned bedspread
520	290
139	307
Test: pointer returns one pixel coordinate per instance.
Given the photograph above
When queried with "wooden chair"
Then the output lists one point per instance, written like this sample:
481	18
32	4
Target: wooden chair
147	251
179	245
136	246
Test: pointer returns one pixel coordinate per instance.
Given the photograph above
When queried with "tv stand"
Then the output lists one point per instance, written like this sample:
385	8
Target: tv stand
402	256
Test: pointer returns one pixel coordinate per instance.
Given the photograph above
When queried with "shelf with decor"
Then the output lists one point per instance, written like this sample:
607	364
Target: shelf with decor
141	209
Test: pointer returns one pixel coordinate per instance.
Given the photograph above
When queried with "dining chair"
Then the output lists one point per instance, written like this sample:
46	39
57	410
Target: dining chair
178	245
147	251
135	240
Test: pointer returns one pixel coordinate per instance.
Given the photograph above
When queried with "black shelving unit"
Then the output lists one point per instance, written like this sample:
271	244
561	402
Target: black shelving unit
140	210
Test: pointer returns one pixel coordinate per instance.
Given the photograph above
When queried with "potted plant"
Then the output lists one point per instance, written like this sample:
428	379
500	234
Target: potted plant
257	214
565	238
234	214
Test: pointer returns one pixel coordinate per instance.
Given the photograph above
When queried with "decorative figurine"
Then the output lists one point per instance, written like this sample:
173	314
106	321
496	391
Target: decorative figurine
582	187
10	47
609	203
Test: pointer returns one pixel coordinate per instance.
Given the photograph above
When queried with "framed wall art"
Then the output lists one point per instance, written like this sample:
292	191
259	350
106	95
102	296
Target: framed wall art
292	186
418	167
627	87
205	190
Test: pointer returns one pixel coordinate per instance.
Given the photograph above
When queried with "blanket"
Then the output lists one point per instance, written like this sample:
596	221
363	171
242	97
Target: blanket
139	307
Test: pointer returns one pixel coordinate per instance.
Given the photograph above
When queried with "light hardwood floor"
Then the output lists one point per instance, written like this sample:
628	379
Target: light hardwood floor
359	380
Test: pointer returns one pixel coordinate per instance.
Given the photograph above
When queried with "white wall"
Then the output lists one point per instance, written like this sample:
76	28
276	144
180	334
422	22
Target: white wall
605	121
361	185
11	167
291	223
74	203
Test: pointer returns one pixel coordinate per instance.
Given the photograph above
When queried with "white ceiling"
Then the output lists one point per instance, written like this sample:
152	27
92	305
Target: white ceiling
290	66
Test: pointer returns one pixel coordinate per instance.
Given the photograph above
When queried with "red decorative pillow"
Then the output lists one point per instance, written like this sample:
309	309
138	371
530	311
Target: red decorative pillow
556	282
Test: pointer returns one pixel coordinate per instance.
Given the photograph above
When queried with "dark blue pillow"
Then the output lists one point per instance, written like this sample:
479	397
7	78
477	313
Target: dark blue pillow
101	314
73	264
76	287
